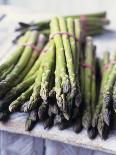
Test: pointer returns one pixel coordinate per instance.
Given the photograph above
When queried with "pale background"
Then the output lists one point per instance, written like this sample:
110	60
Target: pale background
13	144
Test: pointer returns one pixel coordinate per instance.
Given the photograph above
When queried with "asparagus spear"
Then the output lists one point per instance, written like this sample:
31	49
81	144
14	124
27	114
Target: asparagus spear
74	29
93	85
99	104
6	72
61	78
114	97
6	84
49	65
21	99
35	97
107	96
87	115
13	58
102	127
15	91
68	55
31	120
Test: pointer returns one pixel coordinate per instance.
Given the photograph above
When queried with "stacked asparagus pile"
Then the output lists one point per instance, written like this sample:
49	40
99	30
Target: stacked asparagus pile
55	76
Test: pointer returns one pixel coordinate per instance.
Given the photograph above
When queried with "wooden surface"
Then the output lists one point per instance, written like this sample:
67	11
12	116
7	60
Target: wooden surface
16	124
17	121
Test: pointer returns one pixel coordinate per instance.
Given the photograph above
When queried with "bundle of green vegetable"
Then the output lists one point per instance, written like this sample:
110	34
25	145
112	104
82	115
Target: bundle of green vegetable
54	76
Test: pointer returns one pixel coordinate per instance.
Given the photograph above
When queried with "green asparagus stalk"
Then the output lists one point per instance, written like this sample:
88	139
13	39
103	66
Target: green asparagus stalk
6	72
8	83
35	97
15	91
114	97
35	54
36	64
102	127
93	130
68	55
62	83
31	120
13	58
60	54
21	99
49	65
87	115
107	96
106	73
93	85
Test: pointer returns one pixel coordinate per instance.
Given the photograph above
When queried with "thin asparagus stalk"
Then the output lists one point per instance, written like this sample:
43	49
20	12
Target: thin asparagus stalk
21	99
36	64
68	55
49	65
35	97
31	120
15	91
87	115
93	85
6	72
102	127
13	58
107	96
104	81
8	83
99	104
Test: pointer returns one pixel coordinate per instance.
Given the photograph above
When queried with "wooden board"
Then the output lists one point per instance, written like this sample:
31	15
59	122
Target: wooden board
16	123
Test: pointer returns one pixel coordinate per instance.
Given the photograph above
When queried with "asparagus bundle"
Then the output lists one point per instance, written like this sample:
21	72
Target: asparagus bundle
58	85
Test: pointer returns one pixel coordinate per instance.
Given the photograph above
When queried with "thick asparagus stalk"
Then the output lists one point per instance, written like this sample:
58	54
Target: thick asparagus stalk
6	84
87	115
13	58
31	120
